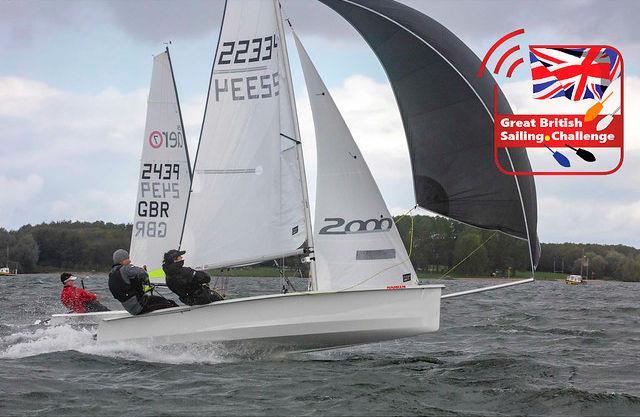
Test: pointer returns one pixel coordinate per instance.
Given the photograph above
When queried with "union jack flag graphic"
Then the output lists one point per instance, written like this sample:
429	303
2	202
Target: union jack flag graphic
574	73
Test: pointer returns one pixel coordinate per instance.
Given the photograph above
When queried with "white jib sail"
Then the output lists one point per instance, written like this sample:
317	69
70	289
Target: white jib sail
246	203
165	177
357	244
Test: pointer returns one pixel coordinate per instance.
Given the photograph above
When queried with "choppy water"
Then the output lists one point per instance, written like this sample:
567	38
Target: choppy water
541	349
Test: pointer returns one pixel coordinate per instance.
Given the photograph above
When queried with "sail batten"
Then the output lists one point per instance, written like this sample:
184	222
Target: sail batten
448	121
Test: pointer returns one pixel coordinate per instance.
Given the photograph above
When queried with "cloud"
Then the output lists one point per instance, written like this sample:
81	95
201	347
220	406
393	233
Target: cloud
480	23
18	193
591	209
161	21
67	144
192	116
475	22
53	126
25	22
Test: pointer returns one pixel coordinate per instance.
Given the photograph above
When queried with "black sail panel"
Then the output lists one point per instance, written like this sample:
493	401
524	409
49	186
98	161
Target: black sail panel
447	115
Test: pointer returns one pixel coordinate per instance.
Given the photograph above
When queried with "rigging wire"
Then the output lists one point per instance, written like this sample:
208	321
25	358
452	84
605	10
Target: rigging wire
469	255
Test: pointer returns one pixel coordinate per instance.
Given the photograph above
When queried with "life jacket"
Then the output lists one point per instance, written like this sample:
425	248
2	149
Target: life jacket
125	291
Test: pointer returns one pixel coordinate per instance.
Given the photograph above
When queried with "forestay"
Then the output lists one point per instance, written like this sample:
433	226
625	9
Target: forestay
246	202
357	244
165	175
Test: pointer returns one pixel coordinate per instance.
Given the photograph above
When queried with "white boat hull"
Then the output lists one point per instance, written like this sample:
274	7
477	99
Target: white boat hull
298	321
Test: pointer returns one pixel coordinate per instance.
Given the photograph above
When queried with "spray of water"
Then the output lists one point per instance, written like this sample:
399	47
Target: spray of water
49	339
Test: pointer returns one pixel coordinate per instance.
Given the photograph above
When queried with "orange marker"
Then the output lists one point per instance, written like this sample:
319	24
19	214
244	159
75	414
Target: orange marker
595	110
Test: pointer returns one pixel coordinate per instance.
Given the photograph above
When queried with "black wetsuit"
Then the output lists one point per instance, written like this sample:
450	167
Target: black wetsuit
190	285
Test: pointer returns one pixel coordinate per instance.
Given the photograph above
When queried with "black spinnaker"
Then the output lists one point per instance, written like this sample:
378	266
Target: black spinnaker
447	115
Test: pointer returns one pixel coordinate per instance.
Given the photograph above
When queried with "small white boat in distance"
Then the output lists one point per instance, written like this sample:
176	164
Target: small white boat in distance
574	280
295	321
5	271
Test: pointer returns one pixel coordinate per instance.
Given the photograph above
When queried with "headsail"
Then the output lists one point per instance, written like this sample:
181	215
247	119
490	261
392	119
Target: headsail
165	173
246	204
447	116
357	244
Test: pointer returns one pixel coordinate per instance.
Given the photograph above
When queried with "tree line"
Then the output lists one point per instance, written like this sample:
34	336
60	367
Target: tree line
436	244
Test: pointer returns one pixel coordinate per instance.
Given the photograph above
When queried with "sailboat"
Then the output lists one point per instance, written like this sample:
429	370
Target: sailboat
5	270
248	199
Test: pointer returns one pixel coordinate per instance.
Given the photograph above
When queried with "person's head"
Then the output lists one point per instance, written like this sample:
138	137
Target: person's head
172	256
67	279
121	257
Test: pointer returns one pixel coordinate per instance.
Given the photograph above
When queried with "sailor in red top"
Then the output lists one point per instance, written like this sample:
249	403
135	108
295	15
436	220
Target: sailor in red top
78	300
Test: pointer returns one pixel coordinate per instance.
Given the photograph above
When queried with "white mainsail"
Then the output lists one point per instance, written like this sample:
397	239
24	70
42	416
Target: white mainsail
357	244
165	173
246	203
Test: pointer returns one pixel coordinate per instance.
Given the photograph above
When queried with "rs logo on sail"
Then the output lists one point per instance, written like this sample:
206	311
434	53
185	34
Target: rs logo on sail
339	226
169	139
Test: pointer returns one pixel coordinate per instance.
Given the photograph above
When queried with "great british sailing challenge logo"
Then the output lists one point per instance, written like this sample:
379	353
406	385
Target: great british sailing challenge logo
586	136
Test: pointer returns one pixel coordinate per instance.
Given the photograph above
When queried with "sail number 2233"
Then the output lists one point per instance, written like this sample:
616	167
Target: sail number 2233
247	50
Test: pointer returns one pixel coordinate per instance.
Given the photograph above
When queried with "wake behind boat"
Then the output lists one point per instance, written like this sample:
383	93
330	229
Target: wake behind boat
247	198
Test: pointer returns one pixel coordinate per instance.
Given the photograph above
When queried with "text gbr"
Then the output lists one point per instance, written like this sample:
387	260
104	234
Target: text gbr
158	182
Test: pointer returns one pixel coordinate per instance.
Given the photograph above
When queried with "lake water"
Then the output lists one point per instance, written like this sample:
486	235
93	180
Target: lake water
537	349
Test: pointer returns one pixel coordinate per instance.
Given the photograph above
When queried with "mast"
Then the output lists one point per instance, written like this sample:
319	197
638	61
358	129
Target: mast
184	134
204	116
303	176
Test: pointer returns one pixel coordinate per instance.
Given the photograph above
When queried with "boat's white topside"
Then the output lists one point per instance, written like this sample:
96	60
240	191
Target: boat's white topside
88	318
248	299
298	321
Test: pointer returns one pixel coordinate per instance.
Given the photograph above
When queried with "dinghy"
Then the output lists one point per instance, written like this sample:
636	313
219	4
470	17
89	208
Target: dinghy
248	199
164	180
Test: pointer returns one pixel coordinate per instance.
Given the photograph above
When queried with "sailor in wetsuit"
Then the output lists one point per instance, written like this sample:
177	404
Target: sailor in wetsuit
190	285
127	283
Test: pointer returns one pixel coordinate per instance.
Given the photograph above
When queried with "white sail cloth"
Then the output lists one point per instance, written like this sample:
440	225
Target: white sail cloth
165	177
357	244
246	203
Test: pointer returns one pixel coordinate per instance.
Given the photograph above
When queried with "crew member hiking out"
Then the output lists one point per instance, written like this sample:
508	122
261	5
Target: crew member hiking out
76	299
127	282
190	285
